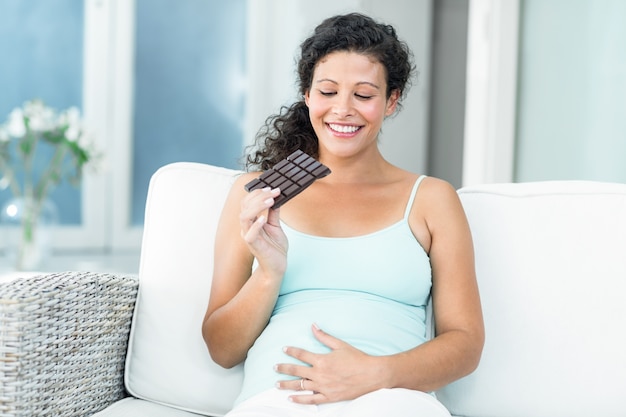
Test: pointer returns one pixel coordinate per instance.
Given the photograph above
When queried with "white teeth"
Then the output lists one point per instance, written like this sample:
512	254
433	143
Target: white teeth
343	129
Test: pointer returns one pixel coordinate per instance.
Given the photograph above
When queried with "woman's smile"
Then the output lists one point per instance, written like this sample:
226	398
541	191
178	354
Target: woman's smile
343	129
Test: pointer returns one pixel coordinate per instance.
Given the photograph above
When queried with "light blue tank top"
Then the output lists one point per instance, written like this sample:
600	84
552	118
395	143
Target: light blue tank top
370	291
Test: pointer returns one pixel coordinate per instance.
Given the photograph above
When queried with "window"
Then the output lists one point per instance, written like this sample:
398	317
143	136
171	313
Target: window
157	80
41	43
189	87
186	72
572	91
168	80
546	87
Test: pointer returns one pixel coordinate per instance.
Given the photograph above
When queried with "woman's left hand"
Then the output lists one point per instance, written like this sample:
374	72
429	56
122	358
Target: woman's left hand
342	374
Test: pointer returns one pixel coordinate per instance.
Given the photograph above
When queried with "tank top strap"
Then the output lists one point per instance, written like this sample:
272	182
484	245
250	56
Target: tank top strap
409	203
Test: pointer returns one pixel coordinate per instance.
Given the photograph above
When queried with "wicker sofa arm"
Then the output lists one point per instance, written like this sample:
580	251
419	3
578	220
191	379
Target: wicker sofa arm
63	340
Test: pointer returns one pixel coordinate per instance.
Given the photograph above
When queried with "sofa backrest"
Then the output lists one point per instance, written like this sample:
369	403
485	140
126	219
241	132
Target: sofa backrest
551	267
168	362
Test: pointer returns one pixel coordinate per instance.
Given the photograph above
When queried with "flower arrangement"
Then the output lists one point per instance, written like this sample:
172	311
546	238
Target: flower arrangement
39	148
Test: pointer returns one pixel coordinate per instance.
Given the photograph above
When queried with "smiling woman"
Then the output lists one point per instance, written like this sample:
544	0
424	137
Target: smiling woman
324	299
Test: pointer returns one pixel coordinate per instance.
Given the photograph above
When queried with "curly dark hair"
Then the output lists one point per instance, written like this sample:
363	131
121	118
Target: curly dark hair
291	128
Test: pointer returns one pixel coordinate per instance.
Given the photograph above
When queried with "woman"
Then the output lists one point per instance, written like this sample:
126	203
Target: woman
325	298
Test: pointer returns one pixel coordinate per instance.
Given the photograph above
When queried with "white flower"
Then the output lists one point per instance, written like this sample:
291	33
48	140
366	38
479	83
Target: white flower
36	122
71	118
73	115
72	133
40	117
15	125
86	141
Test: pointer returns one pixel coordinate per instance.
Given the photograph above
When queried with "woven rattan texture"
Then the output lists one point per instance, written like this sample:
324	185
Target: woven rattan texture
63	341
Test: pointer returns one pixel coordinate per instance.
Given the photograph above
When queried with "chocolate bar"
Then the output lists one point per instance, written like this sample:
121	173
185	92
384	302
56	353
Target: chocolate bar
292	175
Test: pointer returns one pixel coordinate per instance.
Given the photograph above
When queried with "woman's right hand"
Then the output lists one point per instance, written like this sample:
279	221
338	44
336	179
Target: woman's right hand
260	229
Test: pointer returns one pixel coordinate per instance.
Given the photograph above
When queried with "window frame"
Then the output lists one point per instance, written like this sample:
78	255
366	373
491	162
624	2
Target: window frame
107	102
491	96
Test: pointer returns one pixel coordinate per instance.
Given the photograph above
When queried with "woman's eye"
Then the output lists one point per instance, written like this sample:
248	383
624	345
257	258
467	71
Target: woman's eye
327	93
363	96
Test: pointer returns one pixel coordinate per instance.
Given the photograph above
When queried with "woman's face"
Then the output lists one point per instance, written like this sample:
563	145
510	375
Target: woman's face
347	103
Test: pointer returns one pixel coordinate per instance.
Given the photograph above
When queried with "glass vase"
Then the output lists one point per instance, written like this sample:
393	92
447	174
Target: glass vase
27	229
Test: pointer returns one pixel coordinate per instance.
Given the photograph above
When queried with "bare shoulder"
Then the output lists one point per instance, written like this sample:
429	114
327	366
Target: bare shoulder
437	191
440	203
237	189
232	206
245	177
434	184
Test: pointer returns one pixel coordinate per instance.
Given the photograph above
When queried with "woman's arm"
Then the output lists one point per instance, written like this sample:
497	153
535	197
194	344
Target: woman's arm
459	332
242	300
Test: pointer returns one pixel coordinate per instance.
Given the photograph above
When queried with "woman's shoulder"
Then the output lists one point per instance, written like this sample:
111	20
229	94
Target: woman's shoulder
437	185
242	179
237	189
434	187
437	195
246	176
441	205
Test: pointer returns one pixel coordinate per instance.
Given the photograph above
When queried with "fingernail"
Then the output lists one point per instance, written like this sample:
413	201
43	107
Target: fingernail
269	201
316	327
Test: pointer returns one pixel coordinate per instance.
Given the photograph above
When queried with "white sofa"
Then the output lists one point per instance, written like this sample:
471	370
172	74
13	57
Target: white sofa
551	264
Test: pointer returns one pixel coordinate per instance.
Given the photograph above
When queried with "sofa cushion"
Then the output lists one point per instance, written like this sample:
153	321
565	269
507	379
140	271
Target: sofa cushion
551	266
168	362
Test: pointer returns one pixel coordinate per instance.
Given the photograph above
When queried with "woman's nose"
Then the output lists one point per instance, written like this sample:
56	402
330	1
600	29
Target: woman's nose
342	105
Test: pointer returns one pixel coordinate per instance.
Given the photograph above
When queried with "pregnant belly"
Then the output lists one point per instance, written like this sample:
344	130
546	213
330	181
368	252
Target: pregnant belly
375	325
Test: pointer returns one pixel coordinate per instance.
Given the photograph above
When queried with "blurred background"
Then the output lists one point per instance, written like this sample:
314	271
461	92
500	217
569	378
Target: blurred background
507	90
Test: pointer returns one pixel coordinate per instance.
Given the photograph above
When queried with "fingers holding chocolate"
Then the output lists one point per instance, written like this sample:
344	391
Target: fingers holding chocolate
255	205
260	228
